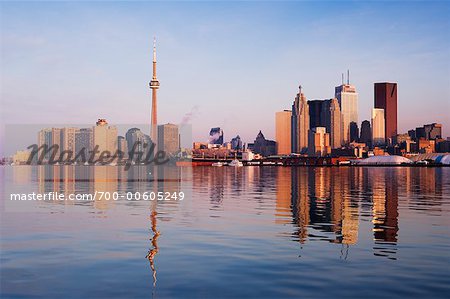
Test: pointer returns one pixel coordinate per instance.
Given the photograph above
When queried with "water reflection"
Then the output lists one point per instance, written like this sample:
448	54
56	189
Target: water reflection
327	203
252	222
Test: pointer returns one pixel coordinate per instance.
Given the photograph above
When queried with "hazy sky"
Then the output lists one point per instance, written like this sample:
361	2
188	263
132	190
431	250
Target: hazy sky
231	65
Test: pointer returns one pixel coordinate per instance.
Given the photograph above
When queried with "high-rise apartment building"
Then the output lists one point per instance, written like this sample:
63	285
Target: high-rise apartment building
84	140
56	140
283	132
378	130
300	124
168	139
105	138
385	97
348	102
45	138
68	140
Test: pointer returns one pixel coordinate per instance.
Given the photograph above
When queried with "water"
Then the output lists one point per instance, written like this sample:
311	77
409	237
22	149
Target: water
250	231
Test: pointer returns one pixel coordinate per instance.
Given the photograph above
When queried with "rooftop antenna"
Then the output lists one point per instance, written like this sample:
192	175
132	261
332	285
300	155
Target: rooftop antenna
342	78
300	90
348	77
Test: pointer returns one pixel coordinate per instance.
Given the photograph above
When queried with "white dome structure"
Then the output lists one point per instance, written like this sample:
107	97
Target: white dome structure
443	159
384	160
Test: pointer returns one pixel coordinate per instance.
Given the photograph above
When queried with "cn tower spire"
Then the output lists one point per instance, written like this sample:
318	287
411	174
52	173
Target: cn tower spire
154	85
154	58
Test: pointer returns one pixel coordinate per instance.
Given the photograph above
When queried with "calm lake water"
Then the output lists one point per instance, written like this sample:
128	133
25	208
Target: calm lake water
245	232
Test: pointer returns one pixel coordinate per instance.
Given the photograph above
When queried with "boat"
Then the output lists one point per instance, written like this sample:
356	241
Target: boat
236	163
217	164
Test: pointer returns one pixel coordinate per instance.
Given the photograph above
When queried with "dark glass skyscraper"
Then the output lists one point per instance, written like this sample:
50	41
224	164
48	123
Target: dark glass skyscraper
366	133
385	96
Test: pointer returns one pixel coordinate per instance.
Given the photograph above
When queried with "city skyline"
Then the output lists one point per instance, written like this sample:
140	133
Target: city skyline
196	59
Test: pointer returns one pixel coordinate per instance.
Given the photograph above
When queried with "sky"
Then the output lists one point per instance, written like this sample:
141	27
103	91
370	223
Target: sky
220	64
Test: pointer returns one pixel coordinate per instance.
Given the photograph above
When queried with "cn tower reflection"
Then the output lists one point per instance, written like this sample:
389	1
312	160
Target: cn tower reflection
154	248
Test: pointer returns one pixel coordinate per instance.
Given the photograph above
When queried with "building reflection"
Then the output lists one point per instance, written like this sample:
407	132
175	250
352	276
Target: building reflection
385	211
300	200
283	196
321	203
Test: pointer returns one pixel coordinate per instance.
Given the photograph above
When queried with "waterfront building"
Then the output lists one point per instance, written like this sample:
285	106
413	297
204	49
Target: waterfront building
366	133
138	143
56	140
348	102
283	132
45	138
105	138
318	142
263	146
300	124
427	146
68	140
385	97
84	140
21	157
378	131
122	147
168	139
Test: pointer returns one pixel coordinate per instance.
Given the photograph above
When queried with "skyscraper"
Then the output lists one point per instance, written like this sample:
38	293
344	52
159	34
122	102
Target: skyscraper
283	132
300	123
385	97
335	124
318	142
154	85
316	113
366	133
348	102
168	139
327	113
378	130
354	132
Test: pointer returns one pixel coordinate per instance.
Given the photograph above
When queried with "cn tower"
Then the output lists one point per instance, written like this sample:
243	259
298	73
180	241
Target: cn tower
154	85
